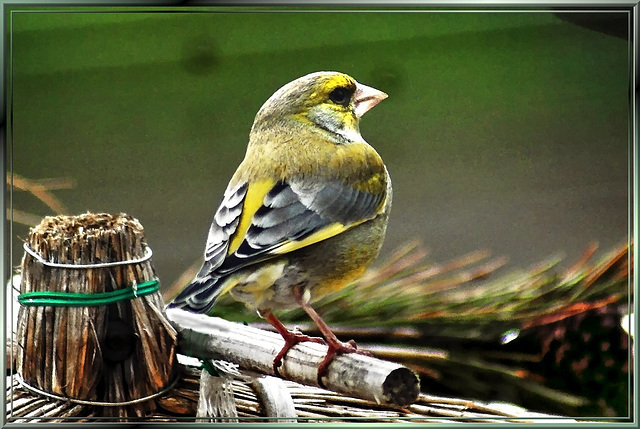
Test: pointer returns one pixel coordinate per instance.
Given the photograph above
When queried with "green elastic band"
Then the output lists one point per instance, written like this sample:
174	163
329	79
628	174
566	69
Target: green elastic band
73	299
206	364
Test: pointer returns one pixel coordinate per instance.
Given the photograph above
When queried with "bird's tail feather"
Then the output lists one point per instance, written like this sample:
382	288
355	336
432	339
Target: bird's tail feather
200	295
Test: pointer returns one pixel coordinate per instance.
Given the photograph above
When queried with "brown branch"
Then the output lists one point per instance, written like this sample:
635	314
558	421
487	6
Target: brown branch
23	218
40	189
254	350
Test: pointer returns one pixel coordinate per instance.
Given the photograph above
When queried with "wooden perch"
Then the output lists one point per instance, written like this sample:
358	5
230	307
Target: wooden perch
253	349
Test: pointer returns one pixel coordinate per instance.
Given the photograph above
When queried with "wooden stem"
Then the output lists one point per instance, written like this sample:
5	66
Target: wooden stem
254	349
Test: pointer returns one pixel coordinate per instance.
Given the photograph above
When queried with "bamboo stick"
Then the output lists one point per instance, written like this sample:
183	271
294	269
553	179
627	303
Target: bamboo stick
275	398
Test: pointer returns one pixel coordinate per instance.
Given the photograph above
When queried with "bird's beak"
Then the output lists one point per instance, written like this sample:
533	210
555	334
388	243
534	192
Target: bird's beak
365	98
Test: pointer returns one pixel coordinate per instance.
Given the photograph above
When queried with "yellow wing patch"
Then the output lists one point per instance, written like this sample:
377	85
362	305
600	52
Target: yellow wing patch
252	202
328	231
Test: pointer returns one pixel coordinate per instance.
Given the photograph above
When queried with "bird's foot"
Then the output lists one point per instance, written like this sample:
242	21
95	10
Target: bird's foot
290	340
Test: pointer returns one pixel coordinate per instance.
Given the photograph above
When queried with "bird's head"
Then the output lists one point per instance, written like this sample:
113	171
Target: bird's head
332	101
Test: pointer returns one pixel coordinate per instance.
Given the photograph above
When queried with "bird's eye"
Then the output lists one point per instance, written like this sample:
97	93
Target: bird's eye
340	96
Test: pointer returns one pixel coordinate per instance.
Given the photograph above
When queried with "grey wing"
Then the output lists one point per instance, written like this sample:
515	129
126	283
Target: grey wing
294	210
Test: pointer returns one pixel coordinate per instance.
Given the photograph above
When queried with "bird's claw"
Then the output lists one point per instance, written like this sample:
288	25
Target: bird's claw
290	340
334	349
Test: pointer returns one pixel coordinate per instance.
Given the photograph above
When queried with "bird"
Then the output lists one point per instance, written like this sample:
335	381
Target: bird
304	214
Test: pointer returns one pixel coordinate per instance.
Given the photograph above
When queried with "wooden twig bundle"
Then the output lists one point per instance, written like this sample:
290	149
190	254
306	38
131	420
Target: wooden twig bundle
118	352
310	404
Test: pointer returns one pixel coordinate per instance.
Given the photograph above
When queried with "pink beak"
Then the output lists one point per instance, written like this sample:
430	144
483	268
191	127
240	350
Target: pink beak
365	98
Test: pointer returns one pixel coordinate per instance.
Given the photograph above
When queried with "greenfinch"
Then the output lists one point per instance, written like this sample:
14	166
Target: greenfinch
305	212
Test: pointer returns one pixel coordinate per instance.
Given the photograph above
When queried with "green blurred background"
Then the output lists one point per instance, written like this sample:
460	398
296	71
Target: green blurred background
504	131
